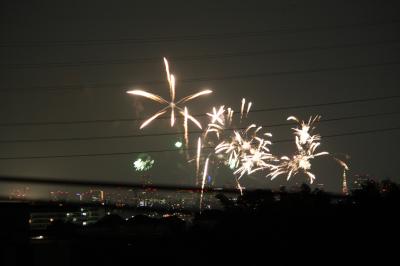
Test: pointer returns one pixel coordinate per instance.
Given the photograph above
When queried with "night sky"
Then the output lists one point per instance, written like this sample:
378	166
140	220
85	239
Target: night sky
73	61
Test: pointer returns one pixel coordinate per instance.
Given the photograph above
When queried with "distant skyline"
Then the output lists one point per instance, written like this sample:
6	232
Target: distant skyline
73	61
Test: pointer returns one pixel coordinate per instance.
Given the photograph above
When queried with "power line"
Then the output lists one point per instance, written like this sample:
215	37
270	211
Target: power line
208	36
179	133
279	108
215	78
174	150
192	57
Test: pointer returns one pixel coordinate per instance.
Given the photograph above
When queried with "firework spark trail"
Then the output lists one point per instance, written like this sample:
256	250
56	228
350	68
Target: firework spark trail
198	157
248	108
239	187
230	115
148	121
185	126
343	164
242	108
203	182
172	104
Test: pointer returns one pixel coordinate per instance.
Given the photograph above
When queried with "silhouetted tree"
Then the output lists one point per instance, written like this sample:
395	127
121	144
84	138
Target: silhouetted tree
305	189
225	201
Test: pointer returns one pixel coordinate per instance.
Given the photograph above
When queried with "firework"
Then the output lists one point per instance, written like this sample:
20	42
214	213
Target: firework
143	163
203	182
240	188
198	156
217	120
222	118
299	163
258	158
306	144
343	164
172	105
247	152
185	126
303	134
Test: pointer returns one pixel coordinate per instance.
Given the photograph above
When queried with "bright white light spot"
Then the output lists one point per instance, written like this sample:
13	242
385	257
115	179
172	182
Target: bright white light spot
143	163
178	144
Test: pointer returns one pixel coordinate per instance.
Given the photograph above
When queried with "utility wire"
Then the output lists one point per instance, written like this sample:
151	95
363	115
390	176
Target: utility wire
193	57
179	133
174	150
125	86
198	37
279	108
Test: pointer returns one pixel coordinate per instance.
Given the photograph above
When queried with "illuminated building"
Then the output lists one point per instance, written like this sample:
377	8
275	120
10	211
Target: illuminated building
93	195
359	180
59	196
96	195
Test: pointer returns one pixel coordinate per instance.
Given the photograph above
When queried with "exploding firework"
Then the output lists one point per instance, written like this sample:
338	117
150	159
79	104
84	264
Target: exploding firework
299	163
223	117
172	105
247	152
303	133
143	163
217	121
306	144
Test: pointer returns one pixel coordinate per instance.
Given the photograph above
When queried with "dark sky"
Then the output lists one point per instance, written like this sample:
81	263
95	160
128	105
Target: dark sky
74	60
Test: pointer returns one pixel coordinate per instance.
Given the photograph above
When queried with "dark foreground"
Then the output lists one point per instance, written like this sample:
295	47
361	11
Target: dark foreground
261	228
